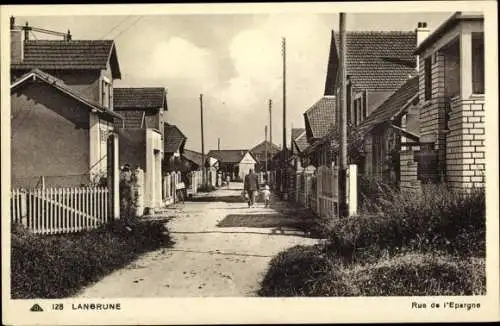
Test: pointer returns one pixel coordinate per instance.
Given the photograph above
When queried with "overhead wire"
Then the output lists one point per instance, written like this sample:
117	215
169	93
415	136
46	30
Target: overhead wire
114	27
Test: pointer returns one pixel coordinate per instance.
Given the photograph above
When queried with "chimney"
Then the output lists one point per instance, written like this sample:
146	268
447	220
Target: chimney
422	32
16	42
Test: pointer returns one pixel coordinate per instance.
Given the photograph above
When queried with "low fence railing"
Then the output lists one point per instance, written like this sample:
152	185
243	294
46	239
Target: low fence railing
60	210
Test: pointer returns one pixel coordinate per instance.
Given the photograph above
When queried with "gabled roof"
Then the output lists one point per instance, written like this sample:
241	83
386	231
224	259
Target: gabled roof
131	119
229	156
139	98
38	75
320	117
174	138
296	132
261	147
259	151
392	106
301	141
69	55
193	156
375	60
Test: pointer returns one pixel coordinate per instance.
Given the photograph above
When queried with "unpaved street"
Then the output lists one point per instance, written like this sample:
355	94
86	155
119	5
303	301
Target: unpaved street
206	259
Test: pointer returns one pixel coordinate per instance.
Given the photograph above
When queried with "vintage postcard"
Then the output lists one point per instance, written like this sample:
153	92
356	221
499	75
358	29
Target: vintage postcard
249	163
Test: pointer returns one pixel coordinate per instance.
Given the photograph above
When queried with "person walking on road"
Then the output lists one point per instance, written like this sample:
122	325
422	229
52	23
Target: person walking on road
251	186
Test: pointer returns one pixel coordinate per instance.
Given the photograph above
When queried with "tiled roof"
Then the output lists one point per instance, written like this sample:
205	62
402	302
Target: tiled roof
193	156
296	132
232	156
320	117
376	60
139	98
392	106
301	141
37	74
132	119
74	55
174	138
259	151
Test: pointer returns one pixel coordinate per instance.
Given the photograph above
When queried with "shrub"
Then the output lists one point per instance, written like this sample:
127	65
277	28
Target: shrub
312	271
435	219
58	266
295	271
420	275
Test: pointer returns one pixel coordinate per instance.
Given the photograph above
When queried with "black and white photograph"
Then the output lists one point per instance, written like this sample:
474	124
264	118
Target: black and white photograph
189	152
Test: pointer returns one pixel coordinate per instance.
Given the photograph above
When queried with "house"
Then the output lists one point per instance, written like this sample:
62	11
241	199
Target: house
260	150
174	144
388	133
194	160
452	102
378	63
61	110
319	119
141	135
298	145
234	162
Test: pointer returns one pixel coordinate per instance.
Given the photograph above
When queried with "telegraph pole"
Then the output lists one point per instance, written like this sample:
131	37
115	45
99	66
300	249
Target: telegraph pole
343	121
202	143
284	120
271	127
265	143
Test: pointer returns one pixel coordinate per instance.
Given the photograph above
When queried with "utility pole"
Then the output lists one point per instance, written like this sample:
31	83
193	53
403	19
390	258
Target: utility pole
271	127
265	143
284	120
203	179
343	121
218	144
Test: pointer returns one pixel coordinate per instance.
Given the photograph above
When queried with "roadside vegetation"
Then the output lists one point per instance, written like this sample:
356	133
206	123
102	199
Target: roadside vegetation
402	244
58	266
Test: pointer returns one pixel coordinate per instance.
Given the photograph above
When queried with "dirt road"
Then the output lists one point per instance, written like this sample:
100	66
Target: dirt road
207	259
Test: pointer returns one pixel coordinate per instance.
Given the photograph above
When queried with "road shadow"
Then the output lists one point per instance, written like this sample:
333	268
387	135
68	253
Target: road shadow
225	199
279	223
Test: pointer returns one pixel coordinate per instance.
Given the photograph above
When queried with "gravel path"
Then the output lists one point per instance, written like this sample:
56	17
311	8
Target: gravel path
206	260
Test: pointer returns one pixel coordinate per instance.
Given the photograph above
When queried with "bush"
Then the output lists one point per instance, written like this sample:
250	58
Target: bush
60	265
411	243
420	275
295	272
312	271
435	219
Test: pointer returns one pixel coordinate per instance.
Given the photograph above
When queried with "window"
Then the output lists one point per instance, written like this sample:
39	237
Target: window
356	109
106	93
428	78
478	63
359	109
364	104
348	101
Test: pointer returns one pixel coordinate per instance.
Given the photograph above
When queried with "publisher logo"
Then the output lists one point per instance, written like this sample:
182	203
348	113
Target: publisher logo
36	307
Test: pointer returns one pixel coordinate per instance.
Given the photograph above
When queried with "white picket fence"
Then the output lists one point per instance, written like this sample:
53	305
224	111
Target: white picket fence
317	189
171	182
60	210
327	191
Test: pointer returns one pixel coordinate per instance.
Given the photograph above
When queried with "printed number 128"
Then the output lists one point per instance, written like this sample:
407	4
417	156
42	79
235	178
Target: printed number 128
57	306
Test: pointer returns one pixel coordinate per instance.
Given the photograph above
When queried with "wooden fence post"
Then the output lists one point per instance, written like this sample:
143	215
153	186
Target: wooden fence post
352	189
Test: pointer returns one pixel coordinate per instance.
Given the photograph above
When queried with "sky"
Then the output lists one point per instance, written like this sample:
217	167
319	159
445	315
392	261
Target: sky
234	60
